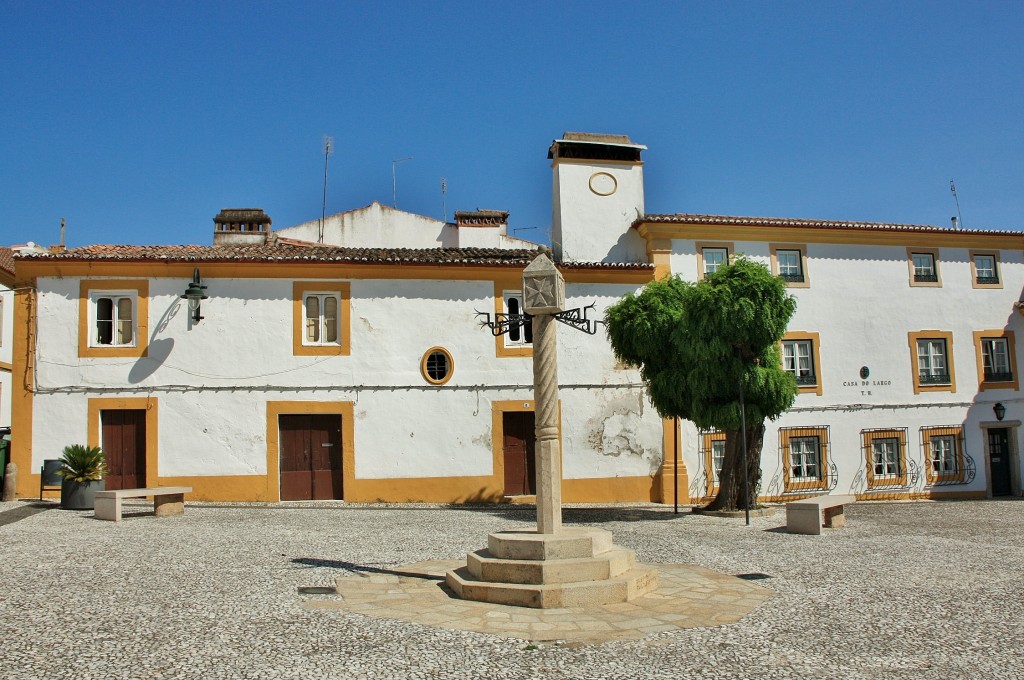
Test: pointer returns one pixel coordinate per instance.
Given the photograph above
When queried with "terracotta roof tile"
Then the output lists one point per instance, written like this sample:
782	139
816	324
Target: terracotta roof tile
7	260
287	250
690	218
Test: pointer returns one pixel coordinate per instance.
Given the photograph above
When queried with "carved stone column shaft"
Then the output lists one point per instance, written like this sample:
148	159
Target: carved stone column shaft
548	449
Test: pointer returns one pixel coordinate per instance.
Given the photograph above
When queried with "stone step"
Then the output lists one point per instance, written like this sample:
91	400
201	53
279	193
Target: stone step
570	542
633	583
609	564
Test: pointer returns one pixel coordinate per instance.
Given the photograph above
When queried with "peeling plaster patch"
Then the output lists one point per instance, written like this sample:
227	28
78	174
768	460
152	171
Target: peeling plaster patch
483	440
619	435
366	323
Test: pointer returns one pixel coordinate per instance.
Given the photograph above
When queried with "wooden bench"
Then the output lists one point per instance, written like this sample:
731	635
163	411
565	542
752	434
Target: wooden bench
807	516
167	501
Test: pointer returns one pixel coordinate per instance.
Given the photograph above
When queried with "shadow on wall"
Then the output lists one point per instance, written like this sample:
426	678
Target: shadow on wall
159	349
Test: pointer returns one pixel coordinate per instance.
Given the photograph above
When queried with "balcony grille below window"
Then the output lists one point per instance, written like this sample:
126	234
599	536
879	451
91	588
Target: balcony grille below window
792	278
809	379
998	377
934	379
926	278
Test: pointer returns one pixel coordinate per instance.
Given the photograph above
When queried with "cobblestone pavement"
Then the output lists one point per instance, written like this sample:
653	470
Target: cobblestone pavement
922	590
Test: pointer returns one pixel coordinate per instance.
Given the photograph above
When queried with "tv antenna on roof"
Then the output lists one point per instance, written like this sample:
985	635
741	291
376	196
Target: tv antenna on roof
959	218
444	196
328	150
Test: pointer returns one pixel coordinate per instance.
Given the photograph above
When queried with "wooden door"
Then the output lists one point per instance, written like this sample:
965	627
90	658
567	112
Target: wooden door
518	447
999	460
311	456
124	443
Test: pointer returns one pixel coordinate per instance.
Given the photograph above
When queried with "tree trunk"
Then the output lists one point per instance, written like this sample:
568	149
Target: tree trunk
730	481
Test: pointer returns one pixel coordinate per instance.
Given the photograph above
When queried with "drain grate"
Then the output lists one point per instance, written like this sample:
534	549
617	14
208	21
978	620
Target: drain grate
756	576
317	590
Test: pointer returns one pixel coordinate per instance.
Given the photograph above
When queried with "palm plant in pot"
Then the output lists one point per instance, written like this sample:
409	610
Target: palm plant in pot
82	468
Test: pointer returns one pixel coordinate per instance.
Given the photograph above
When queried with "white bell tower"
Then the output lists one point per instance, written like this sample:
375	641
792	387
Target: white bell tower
598	193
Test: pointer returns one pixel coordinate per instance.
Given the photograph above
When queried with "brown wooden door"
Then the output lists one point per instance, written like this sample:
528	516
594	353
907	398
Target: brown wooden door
124	443
518	447
999	460
311	457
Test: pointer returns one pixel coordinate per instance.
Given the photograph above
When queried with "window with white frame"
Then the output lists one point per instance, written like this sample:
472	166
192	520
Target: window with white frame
985	269
113	318
924	267
932	367
517	336
798	359
942	454
714	258
790	265
320	311
717	460
886	458
995	354
805	458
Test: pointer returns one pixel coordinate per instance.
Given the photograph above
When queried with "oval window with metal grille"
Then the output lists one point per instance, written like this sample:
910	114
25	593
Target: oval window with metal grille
437	366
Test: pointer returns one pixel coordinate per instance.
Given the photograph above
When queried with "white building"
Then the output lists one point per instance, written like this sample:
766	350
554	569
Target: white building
346	359
6	333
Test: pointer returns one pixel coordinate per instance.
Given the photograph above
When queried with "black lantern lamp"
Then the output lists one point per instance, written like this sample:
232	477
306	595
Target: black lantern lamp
194	294
1000	411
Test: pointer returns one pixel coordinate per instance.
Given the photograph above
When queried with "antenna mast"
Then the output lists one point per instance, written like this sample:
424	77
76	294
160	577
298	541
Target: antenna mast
394	180
952	187
444	196
328	150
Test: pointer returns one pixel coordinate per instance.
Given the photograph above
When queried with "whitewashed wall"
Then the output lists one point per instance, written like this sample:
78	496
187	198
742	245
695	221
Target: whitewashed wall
6	352
861	303
213	380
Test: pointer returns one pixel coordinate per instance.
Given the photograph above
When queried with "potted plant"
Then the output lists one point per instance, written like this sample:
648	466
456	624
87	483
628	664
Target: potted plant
82	468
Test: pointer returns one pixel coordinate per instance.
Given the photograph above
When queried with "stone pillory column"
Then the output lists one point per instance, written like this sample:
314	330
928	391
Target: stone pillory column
543	297
551	566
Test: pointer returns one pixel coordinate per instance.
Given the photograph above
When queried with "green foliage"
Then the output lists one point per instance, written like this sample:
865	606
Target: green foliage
82	463
695	342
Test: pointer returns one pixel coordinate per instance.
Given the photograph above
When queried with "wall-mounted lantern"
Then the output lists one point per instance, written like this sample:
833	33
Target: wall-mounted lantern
195	296
1000	411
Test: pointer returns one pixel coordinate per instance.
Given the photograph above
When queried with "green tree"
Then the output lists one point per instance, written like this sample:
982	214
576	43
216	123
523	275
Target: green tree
697	343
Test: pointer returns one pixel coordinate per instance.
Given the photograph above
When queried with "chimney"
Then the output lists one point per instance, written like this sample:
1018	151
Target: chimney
955	221
241	226
481	218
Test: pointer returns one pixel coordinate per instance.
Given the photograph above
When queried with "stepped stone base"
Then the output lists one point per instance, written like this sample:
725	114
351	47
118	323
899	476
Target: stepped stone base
572	568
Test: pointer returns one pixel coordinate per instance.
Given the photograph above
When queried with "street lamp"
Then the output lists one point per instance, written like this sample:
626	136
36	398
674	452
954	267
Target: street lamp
195	295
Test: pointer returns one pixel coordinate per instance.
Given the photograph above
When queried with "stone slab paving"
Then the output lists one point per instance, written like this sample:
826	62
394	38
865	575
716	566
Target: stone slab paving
688	596
911	590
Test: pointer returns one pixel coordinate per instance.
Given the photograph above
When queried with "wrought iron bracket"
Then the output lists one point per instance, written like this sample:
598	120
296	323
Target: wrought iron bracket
503	323
576	318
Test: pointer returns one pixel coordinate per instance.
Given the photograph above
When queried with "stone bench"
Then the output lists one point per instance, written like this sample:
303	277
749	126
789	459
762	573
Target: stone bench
807	516
167	501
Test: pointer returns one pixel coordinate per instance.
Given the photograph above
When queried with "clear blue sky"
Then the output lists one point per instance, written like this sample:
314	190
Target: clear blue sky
138	121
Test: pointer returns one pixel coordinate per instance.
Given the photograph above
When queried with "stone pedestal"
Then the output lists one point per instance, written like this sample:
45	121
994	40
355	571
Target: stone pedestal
570	568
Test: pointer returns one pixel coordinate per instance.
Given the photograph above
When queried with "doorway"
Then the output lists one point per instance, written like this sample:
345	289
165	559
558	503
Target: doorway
311	457
518	449
999	460
124	446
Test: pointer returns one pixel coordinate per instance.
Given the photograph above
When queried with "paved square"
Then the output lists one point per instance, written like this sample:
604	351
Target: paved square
905	590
